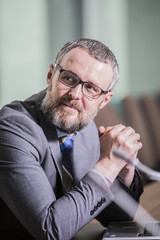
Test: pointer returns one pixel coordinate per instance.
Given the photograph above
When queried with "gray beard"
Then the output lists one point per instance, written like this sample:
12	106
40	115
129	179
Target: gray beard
52	108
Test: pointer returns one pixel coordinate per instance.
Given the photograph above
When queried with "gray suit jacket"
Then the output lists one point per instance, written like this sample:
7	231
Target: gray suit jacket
32	202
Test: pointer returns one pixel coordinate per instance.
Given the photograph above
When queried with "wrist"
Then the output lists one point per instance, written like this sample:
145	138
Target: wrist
108	182
126	175
108	170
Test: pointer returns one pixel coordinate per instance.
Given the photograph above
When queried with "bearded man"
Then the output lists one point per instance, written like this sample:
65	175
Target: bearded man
46	191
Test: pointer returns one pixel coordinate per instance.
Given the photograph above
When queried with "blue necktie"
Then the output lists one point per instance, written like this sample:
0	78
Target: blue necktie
66	145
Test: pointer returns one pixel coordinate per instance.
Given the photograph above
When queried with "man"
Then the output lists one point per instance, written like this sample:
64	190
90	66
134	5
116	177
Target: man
35	202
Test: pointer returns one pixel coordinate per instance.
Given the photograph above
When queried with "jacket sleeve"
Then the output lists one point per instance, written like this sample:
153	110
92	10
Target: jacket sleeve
123	197
26	190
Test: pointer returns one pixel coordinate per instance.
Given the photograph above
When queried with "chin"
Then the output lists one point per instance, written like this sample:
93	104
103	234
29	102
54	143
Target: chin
68	122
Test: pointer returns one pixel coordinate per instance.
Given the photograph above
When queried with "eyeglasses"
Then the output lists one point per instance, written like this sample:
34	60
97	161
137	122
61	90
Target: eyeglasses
71	80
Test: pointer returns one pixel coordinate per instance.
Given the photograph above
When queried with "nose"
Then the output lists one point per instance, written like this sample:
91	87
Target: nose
76	92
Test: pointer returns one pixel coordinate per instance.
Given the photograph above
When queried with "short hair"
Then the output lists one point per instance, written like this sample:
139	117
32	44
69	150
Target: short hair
97	50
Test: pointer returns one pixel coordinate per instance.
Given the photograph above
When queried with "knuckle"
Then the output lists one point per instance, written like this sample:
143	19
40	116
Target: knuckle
130	129
111	135
128	146
108	129
119	138
138	136
140	145
121	125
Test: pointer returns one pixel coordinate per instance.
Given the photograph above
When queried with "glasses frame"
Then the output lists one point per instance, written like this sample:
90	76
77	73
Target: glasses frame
79	82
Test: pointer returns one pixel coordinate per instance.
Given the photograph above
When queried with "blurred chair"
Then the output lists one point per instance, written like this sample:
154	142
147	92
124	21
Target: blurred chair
136	119
152	116
144	117
108	116
158	100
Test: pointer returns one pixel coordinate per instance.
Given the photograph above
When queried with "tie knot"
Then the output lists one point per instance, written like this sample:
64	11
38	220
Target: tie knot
66	142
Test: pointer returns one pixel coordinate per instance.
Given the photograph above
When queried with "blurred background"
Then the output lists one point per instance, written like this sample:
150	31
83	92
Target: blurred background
33	31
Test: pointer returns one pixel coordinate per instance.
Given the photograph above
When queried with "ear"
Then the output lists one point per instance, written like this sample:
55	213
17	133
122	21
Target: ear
106	100
49	74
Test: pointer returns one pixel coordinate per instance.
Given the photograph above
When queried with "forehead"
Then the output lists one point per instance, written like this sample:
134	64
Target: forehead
82	63
78	55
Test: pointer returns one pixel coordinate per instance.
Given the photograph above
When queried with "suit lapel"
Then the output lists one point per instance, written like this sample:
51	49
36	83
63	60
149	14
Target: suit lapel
82	161
51	135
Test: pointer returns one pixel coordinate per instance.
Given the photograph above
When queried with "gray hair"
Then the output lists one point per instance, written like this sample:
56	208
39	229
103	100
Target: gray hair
97	50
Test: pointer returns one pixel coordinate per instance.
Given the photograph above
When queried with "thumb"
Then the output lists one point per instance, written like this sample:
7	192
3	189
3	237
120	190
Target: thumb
101	130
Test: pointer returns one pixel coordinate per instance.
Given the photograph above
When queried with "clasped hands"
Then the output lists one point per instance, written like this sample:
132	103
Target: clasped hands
126	140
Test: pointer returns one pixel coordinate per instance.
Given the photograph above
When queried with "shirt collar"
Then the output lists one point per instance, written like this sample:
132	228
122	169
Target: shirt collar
62	134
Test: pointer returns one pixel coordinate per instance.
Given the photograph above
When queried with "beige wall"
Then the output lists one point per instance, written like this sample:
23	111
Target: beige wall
33	31
144	46
23	48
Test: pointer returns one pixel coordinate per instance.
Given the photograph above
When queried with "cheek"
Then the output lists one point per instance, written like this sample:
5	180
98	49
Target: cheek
58	91
90	106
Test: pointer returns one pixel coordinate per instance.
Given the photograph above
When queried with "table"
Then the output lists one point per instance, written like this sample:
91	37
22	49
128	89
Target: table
92	231
150	200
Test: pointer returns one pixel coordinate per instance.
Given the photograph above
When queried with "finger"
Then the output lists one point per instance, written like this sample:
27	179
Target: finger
135	137
116	130
131	148
127	136
108	129
127	131
133	141
129	166
134	154
101	130
138	146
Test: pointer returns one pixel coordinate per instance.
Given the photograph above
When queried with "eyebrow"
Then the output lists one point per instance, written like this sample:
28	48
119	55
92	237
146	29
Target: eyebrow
79	77
72	73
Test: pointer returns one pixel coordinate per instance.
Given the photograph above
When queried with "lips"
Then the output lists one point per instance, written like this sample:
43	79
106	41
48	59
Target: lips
71	106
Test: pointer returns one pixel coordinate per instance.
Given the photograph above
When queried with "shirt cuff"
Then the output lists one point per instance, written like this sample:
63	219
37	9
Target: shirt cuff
107	181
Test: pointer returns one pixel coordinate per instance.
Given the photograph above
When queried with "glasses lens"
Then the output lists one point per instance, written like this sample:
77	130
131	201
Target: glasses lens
91	90
68	79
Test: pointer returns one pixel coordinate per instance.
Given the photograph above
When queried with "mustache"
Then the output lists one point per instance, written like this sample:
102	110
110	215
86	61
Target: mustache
67	100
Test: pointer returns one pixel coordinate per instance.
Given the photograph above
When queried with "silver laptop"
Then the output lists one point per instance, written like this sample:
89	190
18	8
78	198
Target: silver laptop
132	231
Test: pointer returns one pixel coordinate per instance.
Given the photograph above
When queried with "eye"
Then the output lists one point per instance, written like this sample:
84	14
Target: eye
91	88
68	79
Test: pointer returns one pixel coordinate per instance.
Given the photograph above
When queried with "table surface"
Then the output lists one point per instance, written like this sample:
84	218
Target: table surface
150	201
92	231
